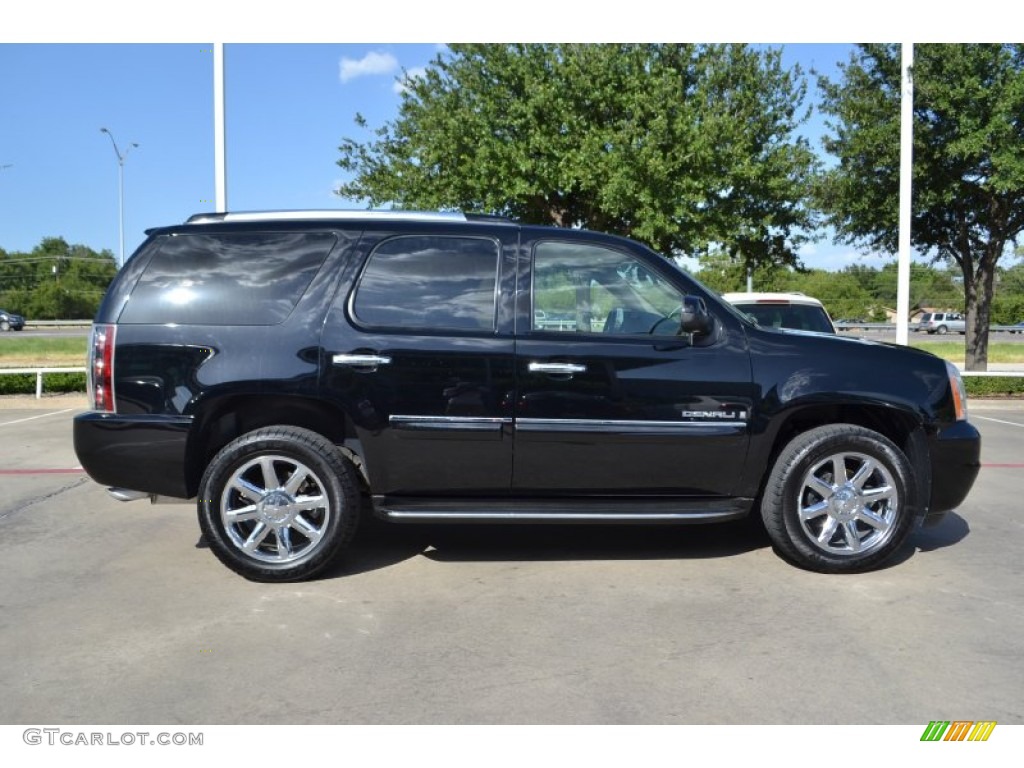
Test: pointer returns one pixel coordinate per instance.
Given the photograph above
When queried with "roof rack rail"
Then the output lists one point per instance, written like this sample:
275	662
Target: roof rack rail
323	215
495	217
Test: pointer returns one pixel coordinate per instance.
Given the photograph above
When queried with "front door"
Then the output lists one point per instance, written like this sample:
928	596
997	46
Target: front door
611	400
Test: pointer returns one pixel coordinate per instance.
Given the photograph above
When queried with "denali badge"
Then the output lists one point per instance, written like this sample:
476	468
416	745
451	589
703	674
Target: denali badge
730	415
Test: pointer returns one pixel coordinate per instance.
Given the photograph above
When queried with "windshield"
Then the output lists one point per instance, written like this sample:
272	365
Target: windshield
801	317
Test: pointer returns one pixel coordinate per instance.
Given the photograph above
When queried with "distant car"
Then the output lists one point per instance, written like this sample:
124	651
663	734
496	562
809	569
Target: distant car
1018	327
10	321
783	310
942	323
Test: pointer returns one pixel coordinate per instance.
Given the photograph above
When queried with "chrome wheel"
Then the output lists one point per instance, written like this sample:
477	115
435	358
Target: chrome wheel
275	509
848	504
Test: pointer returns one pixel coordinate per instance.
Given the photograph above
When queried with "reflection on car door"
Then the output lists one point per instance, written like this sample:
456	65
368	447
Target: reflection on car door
620	404
426	363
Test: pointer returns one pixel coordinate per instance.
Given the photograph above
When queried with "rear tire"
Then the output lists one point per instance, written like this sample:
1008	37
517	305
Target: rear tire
840	498
278	504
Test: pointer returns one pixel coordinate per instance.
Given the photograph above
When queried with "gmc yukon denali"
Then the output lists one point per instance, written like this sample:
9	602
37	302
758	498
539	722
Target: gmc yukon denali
279	367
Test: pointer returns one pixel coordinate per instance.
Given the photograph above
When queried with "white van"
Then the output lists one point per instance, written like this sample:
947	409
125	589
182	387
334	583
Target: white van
783	310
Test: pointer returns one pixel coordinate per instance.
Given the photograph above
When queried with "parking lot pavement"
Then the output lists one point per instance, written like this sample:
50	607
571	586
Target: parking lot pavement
115	613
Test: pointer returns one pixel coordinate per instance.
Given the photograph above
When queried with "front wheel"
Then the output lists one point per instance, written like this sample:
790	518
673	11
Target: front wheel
5	326
278	504
840	498
942	330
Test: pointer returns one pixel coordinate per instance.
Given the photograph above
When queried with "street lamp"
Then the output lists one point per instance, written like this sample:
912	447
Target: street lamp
120	187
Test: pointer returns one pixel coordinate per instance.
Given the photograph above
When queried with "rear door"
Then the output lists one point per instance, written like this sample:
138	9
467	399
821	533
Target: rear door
419	352
610	399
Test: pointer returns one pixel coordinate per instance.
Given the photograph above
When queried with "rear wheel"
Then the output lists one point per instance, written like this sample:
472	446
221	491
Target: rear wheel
839	498
5	326
278	504
942	330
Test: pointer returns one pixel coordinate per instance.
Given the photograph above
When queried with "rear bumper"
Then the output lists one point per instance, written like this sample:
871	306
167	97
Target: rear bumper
956	459
140	453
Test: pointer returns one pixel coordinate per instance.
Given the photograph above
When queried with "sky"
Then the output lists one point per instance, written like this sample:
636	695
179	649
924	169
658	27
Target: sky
64	76
288	107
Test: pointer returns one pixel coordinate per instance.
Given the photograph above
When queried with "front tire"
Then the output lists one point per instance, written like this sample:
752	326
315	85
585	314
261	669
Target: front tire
942	330
278	504
840	498
5	326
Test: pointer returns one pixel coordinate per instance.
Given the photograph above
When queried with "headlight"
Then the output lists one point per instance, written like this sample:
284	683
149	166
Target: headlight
956	384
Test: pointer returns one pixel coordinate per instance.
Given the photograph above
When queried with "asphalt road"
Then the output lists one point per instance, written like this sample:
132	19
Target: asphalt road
114	613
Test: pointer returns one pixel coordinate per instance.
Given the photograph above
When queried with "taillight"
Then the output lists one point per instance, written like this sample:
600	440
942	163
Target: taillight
101	368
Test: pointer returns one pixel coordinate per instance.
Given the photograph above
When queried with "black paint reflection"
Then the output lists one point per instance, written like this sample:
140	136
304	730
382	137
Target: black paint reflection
429	283
227	279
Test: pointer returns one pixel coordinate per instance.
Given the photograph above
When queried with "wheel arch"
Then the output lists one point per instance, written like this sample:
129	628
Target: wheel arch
219	422
904	428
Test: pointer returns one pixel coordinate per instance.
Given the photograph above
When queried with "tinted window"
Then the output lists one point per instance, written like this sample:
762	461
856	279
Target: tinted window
227	279
428	283
579	288
802	317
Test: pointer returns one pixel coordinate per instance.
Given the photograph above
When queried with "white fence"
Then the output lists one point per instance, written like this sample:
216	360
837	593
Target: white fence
39	373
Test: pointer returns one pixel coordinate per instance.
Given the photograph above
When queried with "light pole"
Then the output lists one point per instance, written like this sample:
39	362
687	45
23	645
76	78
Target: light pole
120	189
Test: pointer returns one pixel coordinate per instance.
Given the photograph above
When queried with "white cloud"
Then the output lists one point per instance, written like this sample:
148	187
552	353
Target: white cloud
373	63
402	83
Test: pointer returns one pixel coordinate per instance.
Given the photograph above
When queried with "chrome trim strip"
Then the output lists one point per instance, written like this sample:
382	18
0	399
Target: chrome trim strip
402	421
569	425
471	423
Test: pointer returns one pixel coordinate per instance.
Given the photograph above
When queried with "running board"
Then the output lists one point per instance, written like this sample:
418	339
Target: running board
405	510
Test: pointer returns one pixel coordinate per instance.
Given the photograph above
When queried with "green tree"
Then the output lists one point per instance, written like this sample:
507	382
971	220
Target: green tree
55	280
1008	305
968	178
689	148
723	274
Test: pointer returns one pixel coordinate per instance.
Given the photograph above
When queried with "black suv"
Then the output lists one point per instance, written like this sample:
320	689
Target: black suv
275	366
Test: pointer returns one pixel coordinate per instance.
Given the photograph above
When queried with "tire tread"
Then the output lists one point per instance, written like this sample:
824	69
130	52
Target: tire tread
784	532
280	439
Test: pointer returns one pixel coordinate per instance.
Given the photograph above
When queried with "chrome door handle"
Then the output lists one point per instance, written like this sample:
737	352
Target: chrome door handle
360	360
557	368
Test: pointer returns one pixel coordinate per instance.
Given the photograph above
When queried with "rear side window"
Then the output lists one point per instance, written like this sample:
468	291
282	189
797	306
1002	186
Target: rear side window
227	279
427	283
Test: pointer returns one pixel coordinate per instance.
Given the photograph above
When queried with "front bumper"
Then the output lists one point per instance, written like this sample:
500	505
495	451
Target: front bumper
140	453
956	460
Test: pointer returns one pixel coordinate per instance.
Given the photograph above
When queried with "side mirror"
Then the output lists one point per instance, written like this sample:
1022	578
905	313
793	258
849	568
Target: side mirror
694	317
